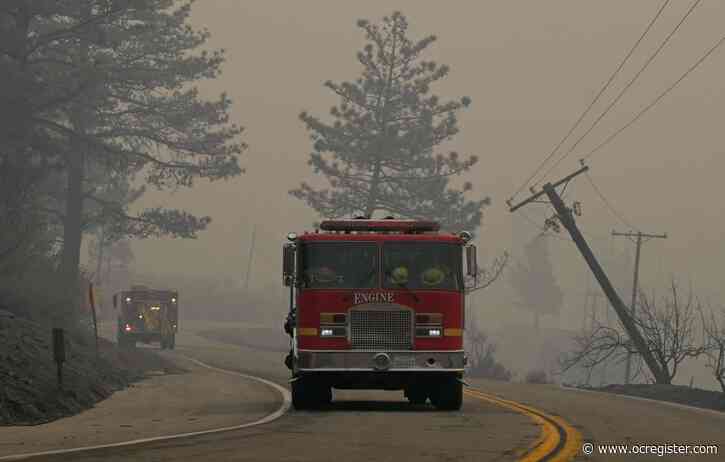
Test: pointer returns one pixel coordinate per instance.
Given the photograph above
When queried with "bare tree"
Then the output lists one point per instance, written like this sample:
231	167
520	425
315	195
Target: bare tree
714	331
488	275
668	325
670	328
481	353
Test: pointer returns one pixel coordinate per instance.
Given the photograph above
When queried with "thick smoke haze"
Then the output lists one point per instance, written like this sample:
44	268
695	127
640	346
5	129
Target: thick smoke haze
530	68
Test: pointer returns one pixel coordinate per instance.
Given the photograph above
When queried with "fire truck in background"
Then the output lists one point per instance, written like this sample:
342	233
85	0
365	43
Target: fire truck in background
377	304
147	315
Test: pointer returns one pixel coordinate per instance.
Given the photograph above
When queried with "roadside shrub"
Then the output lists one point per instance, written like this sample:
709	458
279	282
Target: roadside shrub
536	376
481	357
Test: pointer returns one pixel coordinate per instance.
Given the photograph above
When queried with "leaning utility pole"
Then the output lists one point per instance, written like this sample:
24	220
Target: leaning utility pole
635	285
566	217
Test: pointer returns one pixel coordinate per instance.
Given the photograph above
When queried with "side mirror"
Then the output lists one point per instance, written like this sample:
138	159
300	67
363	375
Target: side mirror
115	300
471	261
288	264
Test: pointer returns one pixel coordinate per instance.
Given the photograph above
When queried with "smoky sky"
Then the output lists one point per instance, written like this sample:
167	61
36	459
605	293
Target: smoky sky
530	68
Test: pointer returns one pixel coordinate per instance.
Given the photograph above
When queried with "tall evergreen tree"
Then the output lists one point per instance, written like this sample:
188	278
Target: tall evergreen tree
382	152
28	158
535	283
116	95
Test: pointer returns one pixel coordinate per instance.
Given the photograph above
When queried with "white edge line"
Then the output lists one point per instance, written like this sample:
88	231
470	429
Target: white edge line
286	403
685	407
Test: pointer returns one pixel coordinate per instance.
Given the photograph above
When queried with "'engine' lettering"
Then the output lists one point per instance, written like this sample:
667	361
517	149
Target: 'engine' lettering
372	297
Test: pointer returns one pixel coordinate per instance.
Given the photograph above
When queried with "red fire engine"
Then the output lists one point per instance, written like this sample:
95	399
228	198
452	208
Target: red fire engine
377	304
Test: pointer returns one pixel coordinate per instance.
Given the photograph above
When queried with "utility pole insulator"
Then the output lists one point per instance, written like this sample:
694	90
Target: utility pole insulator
577	206
536	195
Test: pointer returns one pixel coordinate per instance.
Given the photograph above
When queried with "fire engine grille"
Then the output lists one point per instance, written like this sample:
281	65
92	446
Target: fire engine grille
376	330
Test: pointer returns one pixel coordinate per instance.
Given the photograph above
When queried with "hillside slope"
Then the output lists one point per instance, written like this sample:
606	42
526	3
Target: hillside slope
29	393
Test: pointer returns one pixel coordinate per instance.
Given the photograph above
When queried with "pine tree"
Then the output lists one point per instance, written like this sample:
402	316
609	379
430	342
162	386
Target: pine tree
115	93
535	282
382	152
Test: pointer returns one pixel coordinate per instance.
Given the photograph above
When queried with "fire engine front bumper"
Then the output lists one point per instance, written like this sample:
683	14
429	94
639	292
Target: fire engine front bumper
380	361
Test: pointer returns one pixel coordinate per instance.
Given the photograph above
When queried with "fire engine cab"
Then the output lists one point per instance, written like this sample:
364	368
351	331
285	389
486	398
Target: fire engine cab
377	304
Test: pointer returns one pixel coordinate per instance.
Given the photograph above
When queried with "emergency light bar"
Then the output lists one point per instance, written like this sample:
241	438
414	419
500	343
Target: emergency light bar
379	225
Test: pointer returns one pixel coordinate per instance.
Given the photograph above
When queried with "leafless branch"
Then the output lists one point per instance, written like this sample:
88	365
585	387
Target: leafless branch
490	274
714	331
668	326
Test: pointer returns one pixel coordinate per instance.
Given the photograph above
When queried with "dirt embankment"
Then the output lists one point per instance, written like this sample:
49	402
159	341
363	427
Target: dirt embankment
29	393
678	394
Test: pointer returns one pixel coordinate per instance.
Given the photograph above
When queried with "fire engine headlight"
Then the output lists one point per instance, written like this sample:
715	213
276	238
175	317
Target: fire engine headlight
429	332
173	300
333	331
429	325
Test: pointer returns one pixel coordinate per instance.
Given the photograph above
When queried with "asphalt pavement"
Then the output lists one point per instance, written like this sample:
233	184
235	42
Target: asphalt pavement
360	426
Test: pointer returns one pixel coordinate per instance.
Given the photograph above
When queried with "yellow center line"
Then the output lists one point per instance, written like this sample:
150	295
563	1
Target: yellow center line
549	439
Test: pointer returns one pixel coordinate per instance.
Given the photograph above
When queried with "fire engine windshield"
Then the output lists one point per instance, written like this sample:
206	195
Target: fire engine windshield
144	315
339	266
422	265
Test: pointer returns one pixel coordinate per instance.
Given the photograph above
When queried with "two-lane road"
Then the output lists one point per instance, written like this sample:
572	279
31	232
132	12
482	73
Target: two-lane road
381	426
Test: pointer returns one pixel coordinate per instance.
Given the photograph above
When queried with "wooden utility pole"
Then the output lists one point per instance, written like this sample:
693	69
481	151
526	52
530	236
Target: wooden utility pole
101	245
249	259
566	217
635	285
92	302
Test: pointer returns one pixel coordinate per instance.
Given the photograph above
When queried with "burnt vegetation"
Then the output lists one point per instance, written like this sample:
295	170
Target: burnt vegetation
676	327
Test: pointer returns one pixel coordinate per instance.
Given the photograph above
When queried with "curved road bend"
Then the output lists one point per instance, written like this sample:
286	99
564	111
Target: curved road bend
360	426
371	426
363	426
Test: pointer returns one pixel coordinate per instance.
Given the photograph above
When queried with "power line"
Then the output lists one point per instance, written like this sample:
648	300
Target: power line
657	100
595	100
624	90
614	212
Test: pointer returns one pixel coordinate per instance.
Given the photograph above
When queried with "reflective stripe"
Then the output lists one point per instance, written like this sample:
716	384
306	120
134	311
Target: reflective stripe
452	332
307	331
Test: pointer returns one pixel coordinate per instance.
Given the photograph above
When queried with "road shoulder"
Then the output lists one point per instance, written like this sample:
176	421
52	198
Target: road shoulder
200	399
